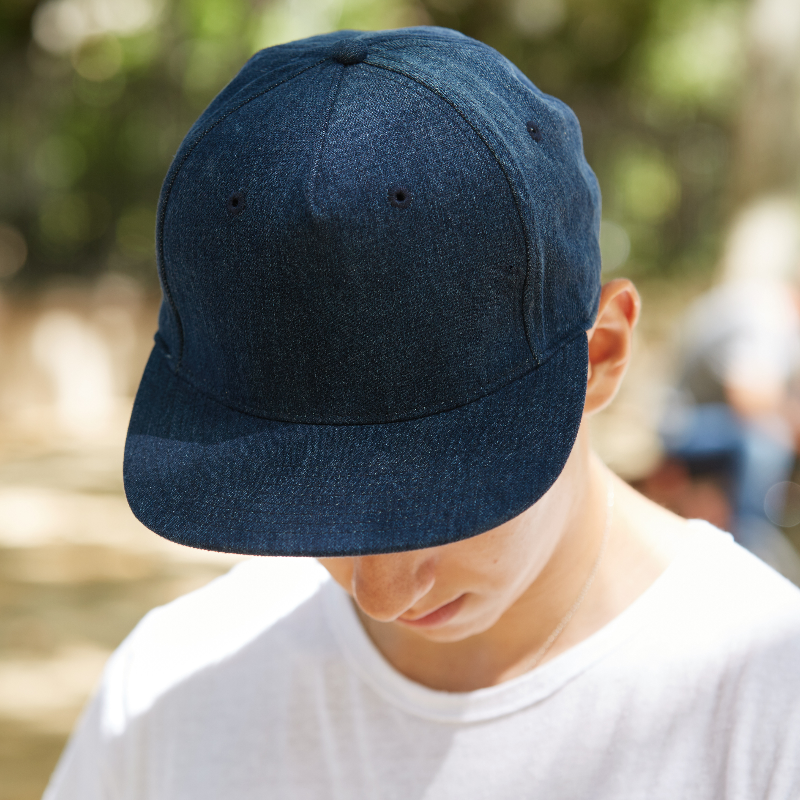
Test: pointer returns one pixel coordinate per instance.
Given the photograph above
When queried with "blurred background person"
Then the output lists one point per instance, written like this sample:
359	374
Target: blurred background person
730	426
732	419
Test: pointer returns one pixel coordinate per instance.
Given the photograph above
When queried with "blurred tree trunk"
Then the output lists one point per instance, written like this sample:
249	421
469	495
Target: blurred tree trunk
767	141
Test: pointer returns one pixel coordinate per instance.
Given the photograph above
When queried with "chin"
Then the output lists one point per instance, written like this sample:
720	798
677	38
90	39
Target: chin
456	630
444	635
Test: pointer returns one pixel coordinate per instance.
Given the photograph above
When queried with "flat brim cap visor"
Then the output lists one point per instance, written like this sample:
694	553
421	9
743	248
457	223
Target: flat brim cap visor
379	261
207	476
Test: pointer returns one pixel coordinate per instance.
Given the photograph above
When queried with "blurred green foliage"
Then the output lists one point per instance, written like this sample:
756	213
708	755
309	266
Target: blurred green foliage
96	95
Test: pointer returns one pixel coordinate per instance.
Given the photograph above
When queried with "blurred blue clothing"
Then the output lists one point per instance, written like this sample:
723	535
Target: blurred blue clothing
757	458
748	333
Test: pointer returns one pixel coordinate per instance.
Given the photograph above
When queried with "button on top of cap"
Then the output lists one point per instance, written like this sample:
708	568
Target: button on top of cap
349	51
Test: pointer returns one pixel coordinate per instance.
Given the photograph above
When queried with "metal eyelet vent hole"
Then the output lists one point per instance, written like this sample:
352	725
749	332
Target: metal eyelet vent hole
236	203
400	197
534	130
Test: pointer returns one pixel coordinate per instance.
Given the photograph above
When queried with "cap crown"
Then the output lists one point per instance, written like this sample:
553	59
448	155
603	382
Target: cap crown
367	228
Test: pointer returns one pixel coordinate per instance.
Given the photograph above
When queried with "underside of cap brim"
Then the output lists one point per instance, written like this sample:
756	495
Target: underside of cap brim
207	476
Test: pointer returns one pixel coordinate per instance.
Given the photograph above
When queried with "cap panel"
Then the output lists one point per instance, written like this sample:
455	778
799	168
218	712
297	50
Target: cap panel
206	251
556	191
568	230
262	73
264	70
324	300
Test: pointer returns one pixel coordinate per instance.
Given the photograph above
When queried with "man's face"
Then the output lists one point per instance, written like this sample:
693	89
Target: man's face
451	592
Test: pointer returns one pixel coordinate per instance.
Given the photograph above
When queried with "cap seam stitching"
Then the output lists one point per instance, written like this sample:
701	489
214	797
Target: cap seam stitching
312	181
507	177
424	35
187	377
175	170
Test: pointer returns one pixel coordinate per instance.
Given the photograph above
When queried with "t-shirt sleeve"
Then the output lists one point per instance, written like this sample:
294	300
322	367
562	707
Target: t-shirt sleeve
784	782
131	738
82	772
780	723
764	723
100	748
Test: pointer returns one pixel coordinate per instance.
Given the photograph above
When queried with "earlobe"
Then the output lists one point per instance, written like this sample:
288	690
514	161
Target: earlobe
610	342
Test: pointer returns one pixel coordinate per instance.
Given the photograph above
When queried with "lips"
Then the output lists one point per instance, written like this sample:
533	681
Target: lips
439	616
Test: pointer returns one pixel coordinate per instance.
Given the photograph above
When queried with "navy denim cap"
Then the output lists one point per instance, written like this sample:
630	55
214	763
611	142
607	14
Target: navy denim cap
379	257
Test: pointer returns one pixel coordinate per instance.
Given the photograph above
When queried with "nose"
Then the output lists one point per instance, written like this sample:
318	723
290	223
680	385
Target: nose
386	586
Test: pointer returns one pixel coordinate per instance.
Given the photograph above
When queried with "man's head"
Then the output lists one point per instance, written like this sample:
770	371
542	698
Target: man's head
379	259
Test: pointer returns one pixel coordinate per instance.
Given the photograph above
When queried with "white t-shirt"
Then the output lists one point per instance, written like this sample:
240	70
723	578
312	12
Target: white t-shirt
264	685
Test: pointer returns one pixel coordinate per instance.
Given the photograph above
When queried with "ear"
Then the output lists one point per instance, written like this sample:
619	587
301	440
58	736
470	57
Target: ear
610	342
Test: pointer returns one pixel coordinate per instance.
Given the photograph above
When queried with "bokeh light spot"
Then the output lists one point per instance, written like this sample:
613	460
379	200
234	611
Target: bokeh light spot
615	245
98	59
78	362
59	161
13	250
537	18
66	219
62	26
136	231
647	185
782	504
698	61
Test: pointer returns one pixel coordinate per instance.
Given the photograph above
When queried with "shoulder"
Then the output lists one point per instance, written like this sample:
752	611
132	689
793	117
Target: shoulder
702	603
696	574
709	672
741	637
728	577
213	625
222	657
724	605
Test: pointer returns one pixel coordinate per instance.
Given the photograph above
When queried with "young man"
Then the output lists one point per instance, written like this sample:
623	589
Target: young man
382	333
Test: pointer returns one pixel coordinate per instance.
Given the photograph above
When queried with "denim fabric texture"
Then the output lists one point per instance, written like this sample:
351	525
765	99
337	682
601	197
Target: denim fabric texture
379	257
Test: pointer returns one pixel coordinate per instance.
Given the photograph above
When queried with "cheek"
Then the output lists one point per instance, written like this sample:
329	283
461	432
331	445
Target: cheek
506	562
341	570
480	568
